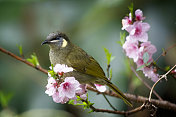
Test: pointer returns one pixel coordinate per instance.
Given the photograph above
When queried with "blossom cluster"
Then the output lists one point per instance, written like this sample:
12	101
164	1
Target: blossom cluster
64	89
137	45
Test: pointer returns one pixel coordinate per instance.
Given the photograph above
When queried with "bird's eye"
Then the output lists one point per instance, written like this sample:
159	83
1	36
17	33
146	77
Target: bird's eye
58	38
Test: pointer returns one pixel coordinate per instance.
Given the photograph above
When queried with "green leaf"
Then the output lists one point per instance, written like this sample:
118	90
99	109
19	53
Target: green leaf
108	56
139	68
119	42
91	111
167	68
122	38
148	63
145	57
52	72
112	58
110	73
164	52
71	102
33	60
131	8
5	98
78	98
86	104
20	48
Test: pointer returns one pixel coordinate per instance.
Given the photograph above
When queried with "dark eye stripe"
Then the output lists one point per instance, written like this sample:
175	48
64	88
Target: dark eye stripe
57	38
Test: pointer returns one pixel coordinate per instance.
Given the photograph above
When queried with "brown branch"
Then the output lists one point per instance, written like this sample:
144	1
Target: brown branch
140	99
134	98
140	108
118	112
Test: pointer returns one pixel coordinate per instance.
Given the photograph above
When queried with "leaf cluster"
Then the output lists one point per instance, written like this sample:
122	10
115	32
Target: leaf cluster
33	60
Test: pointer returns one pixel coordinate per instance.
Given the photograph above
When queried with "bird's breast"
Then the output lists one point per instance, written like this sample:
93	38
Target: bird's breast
57	57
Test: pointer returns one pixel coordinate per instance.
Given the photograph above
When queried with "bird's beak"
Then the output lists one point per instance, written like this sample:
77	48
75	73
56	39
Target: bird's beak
45	42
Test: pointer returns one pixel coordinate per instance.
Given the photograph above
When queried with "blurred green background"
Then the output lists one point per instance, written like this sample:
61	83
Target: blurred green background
92	25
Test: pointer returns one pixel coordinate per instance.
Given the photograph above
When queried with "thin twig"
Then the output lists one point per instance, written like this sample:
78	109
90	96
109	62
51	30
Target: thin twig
109	102
165	52
141	79
108	67
163	76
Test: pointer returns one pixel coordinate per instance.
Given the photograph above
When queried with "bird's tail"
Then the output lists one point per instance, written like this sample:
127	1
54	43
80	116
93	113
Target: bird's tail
119	93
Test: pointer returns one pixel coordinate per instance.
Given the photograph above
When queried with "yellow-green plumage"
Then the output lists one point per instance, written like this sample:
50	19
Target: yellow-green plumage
86	68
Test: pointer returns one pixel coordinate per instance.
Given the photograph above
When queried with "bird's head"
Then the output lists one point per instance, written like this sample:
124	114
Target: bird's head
57	40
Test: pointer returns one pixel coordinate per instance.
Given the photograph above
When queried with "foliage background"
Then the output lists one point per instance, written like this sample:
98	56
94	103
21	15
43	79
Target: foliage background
91	24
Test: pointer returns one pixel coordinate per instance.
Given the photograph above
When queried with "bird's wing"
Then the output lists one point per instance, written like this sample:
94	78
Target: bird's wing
82	62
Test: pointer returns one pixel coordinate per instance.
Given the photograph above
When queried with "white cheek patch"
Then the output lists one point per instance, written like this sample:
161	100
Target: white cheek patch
64	43
53	41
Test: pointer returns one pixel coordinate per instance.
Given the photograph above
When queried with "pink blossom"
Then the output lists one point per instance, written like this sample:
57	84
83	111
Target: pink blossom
131	48
137	44
175	70
67	90
138	31
100	88
59	99
82	92
69	87
61	68
51	86
140	61
149	72
83	96
139	15
127	21
62	91
146	47
175	73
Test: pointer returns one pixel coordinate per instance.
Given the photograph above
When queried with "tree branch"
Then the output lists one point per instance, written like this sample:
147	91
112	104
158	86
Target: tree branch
134	98
140	99
142	107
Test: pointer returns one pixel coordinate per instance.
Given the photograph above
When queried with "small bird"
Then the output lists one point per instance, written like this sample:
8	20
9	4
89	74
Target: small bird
86	69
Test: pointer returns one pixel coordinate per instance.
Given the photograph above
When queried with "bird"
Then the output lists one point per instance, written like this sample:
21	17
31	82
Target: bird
86	69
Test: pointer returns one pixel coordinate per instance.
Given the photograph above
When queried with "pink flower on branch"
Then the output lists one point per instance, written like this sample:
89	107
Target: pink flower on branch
61	68
131	48
139	15
148	48
69	87
137	45
51	86
149	72
100	88
127	21
138	31
62	90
